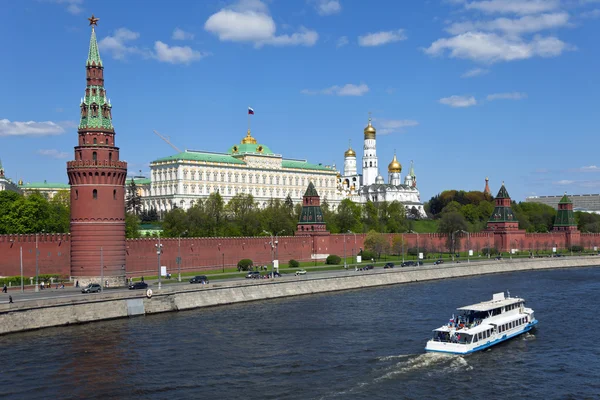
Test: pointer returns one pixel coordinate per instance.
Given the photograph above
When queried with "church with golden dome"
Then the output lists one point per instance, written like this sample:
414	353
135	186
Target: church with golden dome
371	186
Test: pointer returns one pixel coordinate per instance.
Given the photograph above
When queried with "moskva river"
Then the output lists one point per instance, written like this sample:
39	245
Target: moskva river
363	344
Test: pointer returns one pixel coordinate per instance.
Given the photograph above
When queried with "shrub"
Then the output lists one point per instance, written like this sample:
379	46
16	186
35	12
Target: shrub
414	251
368	255
576	248
293	264
493	251
332	259
244	264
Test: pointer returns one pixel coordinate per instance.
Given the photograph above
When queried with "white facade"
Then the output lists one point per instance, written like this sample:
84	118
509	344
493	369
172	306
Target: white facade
370	186
250	168
7	184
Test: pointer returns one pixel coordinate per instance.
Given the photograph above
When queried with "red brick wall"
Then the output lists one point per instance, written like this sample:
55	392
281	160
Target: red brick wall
211	253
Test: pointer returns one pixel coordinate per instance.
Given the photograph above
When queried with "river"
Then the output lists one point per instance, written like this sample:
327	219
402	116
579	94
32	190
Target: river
361	344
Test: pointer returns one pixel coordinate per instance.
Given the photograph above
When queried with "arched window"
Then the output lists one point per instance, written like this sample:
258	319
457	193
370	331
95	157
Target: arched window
94	156
95	142
371	164
95	194
76	194
109	157
114	194
106	141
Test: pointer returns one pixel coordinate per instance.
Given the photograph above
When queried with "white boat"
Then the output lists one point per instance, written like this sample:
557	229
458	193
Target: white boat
483	325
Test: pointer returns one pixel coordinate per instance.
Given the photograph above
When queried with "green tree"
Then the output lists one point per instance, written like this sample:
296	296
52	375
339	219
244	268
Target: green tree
347	217
243	215
133	201
370	217
449	224
132	226
175	223
397	244
377	243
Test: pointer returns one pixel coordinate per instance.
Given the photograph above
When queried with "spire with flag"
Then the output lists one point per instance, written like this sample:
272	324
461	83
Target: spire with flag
250	110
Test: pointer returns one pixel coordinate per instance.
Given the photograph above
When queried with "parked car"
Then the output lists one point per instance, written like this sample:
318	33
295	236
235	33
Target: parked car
199	279
412	263
253	275
438	262
388	265
369	266
92	288
138	285
274	274
301	272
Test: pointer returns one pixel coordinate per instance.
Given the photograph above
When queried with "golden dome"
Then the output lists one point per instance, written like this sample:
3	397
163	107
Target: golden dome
395	166
350	153
370	131
248	139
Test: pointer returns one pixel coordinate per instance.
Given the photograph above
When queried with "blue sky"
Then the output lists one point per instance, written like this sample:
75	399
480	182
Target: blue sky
465	88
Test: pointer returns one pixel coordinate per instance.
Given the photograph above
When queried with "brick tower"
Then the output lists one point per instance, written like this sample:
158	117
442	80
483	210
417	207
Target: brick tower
565	222
311	219
504	223
97	180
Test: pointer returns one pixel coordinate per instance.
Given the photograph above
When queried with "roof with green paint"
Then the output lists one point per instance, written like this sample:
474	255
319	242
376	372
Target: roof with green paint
311	191
312	215
139	181
250	148
502	193
304	165
565	199
565	218
199	156
94	54
503	214
45	185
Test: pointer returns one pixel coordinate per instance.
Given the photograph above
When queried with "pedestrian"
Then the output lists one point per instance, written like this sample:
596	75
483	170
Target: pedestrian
10	299
4	289
142	278
76	283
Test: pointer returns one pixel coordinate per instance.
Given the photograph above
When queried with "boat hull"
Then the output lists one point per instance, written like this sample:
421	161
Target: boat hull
454	348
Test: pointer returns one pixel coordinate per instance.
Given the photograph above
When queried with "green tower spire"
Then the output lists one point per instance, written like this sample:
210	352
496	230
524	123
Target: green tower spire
94	54
564	217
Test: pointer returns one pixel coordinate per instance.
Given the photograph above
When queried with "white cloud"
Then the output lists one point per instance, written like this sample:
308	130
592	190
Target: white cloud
118	44
521	7
328	7
381	38
590	168
591	14
73	6
506	96
346	90
475	72
53	153
32	128
387	126
458	101
564	182
175	54
518	26
342	41
491	48
180	34
249	21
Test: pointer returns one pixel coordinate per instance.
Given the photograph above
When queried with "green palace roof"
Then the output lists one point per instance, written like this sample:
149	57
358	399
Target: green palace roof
45	185
565	200
244	148
299	164
200	156
139	180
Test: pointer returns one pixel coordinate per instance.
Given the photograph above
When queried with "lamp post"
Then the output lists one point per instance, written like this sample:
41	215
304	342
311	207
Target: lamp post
468	243
272	250
411	231
101	271
179	255
276	252
345	263
37	253
223	261
453	244
158	253
22	283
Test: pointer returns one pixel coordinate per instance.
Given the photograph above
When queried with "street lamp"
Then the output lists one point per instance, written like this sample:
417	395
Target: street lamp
411	231
101	270
453	244
179	254
345	262
158	253
37	253
272	250
468	243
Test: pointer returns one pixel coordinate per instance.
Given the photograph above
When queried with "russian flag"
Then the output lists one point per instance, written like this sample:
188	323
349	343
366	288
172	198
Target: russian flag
250	111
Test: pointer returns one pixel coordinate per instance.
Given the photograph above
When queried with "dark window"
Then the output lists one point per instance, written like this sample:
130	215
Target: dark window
115	195
95	194
109	157
76	194
95	142
94	155
106	141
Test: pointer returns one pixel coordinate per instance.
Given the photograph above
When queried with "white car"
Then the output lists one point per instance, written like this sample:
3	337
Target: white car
301	272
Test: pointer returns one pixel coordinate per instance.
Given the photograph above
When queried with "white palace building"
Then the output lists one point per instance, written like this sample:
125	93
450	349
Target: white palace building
252	168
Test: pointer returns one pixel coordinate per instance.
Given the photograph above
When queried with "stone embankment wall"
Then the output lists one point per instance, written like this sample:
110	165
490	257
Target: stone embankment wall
38	314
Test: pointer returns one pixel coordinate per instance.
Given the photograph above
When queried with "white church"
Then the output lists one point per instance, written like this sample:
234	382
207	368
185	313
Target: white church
371	185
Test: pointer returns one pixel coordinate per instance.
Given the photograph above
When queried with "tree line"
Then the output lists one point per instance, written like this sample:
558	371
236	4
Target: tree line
34	213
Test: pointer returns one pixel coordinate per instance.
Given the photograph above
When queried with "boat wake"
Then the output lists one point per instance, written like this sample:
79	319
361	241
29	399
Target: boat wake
403	364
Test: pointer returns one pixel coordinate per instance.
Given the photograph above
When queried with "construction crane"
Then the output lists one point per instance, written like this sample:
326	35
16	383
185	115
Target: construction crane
166	139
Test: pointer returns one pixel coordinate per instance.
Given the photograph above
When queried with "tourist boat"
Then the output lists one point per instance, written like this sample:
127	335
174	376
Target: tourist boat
483	325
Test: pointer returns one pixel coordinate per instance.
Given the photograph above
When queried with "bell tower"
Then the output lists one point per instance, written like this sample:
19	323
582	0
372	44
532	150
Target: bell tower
97	180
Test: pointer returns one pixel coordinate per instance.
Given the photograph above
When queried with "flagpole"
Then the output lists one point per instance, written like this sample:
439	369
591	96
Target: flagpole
248	112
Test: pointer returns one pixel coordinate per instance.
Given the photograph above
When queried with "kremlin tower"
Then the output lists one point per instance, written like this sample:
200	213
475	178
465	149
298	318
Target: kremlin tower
97	180
370	167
